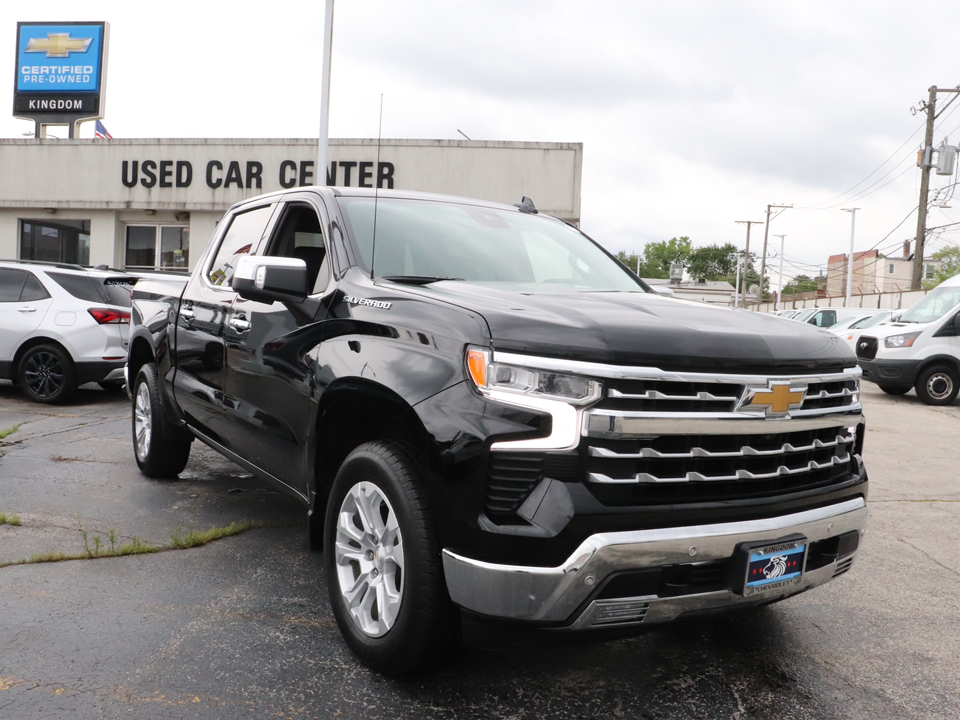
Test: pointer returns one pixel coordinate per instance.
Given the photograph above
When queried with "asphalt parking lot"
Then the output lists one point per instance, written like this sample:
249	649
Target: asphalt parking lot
240	627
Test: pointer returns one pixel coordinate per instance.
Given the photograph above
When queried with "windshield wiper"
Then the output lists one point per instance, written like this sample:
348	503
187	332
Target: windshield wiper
417	279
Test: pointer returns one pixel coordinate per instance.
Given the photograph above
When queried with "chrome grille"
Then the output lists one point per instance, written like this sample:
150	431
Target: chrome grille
718	397
791	456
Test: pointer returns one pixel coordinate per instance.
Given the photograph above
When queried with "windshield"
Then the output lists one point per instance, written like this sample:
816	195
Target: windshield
869	322
433	240
804	315
935	305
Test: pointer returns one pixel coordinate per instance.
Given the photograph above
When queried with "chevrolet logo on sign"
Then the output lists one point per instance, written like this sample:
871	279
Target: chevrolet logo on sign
58	45
776	401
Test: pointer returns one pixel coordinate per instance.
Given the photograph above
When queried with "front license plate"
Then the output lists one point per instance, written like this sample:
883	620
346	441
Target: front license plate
774	566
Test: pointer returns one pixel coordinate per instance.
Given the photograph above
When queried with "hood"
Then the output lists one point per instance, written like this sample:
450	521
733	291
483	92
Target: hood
645	329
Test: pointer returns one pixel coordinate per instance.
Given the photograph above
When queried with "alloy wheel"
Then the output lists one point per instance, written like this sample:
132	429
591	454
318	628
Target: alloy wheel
143	423
369	557
43	374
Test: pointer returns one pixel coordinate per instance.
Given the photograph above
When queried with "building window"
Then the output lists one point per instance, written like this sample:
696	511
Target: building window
158	247
892	269
63	241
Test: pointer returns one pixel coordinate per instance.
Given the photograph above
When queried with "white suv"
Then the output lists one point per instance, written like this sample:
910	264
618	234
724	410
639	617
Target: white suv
61	326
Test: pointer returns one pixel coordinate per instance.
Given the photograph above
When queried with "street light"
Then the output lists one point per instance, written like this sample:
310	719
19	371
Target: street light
853	225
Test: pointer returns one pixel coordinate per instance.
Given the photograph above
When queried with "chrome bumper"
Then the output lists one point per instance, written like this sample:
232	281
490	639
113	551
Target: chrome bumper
553	594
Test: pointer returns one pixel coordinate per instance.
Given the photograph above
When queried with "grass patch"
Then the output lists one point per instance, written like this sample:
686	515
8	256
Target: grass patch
8	431
96	547
11	519
180	540
61	458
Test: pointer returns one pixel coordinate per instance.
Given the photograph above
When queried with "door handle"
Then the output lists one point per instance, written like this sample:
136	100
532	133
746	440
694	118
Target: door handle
240	324
27	309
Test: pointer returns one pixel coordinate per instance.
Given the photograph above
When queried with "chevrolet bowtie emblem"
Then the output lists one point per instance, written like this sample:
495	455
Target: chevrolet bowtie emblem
778	400
58	45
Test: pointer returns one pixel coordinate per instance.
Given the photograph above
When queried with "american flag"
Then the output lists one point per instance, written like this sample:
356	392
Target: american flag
101	131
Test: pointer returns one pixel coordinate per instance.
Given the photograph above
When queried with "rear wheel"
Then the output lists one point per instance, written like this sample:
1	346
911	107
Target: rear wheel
382	562
47	374
938	385
161	448
894	390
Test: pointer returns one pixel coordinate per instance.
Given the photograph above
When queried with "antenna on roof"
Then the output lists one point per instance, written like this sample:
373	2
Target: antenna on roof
376	191
526	206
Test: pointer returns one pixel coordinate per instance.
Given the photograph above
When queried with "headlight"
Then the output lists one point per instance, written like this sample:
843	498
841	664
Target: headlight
901	341
488	376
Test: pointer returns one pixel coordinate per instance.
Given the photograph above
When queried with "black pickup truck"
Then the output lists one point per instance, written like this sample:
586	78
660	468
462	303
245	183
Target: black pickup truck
499	430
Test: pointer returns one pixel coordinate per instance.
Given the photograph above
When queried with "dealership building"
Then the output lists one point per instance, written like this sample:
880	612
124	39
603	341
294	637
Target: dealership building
152	204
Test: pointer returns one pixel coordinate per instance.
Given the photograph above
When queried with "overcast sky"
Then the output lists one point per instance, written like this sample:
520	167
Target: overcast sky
693	115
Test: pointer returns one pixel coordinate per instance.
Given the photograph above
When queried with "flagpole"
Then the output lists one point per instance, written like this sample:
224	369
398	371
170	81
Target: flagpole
321	174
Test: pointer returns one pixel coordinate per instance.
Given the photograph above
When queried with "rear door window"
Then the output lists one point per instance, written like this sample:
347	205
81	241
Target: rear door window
33	290
11	283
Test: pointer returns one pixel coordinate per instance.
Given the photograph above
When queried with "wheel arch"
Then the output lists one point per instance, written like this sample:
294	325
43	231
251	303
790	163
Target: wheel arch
939	359
140	353
32	343
353	411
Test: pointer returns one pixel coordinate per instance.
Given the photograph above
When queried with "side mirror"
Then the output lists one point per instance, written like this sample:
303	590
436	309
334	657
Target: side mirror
266	279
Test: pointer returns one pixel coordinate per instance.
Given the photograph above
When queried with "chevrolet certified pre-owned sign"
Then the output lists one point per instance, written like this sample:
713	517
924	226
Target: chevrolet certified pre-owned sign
60	69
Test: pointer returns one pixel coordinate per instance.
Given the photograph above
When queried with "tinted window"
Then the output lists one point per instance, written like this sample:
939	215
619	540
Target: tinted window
33	290
242	237
11	282
80	286
117	291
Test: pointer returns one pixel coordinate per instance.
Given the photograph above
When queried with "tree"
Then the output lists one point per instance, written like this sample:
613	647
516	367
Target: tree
713	262
657	256
629	260
800	284
949	258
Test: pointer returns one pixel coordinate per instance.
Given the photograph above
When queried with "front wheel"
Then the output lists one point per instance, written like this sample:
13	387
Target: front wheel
161	448
938	385
382	562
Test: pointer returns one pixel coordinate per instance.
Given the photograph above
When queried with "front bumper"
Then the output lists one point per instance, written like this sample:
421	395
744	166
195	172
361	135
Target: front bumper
895	373
562	595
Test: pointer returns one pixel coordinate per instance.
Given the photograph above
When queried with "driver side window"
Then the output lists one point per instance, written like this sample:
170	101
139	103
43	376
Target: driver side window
299	234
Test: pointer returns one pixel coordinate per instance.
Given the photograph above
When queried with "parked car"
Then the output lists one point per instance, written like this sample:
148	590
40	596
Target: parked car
62	325
918	349
853	330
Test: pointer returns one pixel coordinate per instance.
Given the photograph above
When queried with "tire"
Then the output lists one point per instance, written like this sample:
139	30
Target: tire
894	390
47	374
938	385
392	608
111	385
161	448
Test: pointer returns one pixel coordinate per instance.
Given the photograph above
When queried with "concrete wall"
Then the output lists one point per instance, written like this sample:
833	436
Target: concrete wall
213	174
115	183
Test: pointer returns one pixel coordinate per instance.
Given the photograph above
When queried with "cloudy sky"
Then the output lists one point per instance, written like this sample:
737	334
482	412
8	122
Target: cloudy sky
693	114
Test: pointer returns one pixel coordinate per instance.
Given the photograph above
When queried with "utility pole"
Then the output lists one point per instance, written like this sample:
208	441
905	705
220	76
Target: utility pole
778	305
763	259
926	160
746	258
853	224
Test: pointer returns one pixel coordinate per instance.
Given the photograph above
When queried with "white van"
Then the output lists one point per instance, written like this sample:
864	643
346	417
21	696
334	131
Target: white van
920	348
